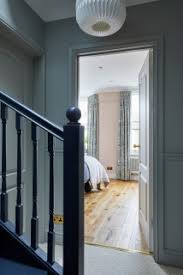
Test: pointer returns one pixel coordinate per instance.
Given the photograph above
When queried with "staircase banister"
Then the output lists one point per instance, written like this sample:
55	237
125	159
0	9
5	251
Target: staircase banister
32	116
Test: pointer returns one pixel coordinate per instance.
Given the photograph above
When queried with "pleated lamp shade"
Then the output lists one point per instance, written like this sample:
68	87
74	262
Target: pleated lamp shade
100	17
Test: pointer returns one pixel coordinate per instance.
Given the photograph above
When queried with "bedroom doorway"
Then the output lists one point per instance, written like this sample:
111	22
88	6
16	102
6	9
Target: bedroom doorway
115	89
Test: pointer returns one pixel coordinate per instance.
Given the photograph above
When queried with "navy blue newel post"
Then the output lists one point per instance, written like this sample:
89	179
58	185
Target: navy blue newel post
35	219
73	194
19	205
4	194
51	233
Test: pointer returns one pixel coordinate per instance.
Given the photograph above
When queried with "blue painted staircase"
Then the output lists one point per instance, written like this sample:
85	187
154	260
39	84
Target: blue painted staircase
8	267
20	255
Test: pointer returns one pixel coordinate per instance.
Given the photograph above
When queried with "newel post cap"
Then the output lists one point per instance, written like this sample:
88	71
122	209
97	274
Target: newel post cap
73	114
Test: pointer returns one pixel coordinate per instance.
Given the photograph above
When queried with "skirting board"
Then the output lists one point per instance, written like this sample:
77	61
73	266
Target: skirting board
59	236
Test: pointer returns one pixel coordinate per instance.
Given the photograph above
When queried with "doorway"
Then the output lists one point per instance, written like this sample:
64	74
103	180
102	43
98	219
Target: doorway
113	87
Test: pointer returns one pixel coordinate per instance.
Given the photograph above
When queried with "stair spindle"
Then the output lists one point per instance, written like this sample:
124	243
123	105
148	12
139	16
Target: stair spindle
35	219
4	194
19	205
51	233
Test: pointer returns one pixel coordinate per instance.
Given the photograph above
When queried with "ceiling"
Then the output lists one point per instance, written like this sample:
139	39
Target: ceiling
50	10
110	72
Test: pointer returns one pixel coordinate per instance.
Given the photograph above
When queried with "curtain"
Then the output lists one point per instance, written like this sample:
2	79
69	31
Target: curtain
93	126
123	163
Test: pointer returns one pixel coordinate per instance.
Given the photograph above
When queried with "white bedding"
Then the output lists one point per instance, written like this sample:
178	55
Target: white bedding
98	173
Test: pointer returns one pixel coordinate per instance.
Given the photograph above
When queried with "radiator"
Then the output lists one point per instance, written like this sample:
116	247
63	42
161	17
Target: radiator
134	164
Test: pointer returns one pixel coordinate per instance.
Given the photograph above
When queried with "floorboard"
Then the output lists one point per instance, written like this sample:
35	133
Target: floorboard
111	217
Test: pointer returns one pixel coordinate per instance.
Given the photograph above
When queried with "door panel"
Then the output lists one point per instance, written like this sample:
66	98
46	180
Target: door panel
143	119
144	179
16	76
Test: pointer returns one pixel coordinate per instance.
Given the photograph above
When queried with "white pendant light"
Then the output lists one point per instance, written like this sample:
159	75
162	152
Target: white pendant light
100	17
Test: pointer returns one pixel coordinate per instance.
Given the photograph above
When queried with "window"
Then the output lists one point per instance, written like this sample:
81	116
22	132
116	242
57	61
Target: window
134	134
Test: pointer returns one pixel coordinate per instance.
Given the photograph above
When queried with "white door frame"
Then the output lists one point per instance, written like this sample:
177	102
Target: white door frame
156	44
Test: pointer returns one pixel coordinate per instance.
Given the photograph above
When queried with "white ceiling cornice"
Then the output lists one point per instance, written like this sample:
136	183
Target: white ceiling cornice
50	10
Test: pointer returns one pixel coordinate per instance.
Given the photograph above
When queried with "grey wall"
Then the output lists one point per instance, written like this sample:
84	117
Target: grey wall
20	17
24	31
157	18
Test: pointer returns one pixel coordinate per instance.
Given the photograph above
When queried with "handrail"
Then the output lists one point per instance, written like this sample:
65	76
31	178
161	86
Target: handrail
32	116
73	177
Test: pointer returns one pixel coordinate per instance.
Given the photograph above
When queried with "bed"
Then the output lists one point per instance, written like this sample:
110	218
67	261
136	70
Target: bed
94	174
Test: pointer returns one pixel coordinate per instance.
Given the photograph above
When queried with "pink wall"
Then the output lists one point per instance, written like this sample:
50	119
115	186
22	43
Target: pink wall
108	127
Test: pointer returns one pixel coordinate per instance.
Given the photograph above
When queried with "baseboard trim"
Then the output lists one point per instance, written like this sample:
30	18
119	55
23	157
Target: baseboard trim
118	248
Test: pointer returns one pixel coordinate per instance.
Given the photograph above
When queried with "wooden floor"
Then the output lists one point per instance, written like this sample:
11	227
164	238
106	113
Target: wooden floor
111	217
